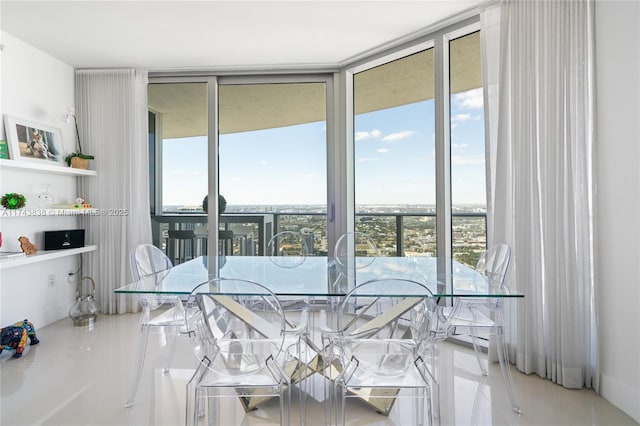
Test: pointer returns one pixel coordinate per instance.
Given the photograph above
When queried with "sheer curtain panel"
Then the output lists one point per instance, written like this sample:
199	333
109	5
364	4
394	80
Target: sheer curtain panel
112	115
538	70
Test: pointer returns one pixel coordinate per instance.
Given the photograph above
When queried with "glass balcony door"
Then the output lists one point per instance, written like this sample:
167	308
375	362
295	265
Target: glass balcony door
394	155
272	159
178	148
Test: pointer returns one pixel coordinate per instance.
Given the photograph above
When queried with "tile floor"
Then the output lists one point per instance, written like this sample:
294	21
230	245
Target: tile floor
78	376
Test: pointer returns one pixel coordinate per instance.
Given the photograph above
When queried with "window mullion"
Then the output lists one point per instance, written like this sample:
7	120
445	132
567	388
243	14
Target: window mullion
443	157
213	190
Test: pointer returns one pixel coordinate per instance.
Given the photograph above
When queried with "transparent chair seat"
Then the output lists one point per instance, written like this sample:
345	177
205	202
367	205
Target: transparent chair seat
467	316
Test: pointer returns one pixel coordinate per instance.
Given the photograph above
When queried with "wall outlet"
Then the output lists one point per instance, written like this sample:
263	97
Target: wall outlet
51	280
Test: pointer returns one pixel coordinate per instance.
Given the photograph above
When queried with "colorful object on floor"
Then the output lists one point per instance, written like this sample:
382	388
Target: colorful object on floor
27	246
14	337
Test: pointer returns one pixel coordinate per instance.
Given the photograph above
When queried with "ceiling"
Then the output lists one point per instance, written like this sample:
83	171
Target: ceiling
243	36
218	35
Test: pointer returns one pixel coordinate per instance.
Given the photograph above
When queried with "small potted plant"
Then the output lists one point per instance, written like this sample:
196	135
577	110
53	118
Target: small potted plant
77	159
13	201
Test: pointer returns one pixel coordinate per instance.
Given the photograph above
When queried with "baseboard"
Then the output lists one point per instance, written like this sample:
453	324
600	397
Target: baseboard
621	394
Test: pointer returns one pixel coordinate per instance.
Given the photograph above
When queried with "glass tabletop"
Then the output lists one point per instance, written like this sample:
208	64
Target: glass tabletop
312	276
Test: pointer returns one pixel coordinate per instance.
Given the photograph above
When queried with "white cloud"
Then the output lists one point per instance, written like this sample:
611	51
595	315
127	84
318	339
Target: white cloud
464	117
264	162
367	160
374	134
383	150
393	137
177	172
459	160
459	146
471	99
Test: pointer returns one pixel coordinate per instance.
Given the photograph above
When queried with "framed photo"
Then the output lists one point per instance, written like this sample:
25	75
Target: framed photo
29	141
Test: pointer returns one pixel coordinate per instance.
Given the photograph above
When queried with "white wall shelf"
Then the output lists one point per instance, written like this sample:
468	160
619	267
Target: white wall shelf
42	256
45	168
47	212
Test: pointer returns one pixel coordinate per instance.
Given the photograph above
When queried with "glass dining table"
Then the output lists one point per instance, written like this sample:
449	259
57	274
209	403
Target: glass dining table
311	276
318	278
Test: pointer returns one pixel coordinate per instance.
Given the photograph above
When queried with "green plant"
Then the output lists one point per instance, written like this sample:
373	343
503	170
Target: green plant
13	201
67	114
79	155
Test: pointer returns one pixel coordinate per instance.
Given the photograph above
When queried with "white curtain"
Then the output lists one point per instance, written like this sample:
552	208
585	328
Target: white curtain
112	113
539	103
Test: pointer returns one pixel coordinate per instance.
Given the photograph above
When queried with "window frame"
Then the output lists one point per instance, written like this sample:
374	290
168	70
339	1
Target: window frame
439	40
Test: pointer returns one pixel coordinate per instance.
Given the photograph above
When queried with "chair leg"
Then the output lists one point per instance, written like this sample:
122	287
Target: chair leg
139	363
433	390
192	402
474	341
343	403
285	405
503	358
171	349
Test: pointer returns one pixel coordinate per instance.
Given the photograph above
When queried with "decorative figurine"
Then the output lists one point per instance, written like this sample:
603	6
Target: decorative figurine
45	199
80	204
27	246
14	337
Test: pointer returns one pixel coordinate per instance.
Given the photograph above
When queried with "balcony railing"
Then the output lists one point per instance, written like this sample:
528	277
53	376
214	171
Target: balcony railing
396	234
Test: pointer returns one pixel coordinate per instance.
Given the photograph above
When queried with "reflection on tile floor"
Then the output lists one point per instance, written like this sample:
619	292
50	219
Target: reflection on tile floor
77	376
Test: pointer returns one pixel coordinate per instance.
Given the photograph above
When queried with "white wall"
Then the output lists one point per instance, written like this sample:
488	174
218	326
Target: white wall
617	161
36	87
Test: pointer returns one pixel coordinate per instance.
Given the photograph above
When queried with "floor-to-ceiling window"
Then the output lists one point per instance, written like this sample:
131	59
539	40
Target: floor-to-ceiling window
394	162
419	148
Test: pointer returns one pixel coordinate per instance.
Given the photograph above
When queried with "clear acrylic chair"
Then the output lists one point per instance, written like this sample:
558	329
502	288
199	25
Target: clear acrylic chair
287	249
380	349
357	247
470	316
353	253
148	267
246	347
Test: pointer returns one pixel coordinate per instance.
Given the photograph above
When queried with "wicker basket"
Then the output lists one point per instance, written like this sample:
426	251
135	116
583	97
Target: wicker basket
79	163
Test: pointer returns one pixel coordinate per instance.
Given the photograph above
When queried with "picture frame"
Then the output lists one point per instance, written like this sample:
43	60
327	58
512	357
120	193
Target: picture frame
34	142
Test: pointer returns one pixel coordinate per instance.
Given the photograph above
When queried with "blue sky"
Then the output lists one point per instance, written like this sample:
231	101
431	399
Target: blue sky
394	155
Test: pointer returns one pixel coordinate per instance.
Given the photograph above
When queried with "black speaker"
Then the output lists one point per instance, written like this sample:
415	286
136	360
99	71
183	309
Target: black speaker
57	240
